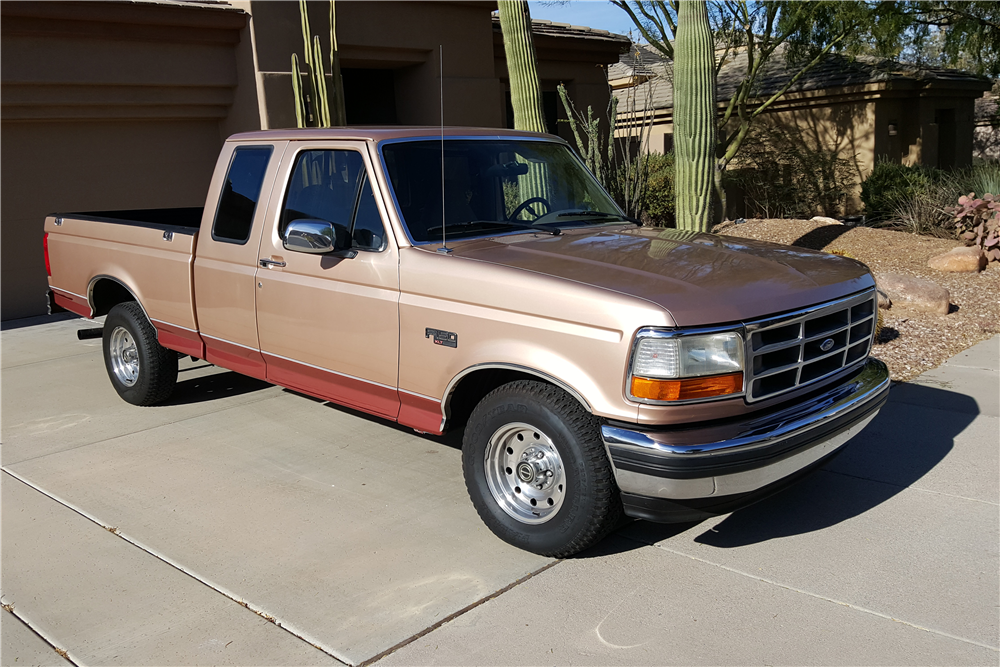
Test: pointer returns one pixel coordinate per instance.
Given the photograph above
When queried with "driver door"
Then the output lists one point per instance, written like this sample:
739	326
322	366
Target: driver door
329	326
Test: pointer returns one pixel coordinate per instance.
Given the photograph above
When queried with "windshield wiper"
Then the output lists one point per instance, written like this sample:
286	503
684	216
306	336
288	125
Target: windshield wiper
568	214
555	231
597	214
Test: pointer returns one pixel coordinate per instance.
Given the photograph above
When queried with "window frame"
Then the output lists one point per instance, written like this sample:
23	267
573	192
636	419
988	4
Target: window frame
366	178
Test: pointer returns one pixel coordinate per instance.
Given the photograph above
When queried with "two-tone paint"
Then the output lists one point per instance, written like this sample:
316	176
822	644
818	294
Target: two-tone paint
565	308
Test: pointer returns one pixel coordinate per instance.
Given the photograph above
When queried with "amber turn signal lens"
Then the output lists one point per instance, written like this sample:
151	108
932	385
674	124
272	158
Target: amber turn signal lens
683	390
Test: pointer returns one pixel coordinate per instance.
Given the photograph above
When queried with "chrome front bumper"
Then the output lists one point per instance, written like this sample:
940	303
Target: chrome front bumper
686	473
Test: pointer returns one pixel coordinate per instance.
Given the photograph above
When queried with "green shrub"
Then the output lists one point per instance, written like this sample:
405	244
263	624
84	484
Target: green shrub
984	179
926	210
659	202
891	185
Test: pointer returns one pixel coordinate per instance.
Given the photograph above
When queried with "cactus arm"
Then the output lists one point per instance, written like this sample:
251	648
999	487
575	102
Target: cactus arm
322	101
306	32
694	115
338	112
300	120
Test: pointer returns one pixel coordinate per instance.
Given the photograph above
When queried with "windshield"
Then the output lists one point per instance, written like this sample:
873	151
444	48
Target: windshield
493	186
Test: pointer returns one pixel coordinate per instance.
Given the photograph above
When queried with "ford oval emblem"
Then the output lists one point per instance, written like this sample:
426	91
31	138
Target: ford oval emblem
826	345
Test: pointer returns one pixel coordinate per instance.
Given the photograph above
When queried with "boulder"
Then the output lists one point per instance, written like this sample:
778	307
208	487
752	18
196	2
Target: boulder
883	299
921	294
959	260
825	220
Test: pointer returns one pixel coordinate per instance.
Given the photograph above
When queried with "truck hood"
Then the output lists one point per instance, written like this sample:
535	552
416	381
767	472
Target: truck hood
699	279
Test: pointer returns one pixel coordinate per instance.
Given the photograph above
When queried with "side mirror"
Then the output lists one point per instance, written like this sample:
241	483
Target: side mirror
318	237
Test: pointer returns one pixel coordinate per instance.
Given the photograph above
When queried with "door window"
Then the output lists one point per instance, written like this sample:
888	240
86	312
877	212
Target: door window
332	185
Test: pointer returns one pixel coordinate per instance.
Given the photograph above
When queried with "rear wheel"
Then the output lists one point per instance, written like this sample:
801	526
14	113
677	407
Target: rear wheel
142	371
536	470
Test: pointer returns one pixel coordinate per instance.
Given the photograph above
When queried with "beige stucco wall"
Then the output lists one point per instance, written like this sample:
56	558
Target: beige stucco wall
407	44
821	126
108	106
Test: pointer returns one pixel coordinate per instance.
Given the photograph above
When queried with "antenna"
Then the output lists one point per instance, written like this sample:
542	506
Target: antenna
444	223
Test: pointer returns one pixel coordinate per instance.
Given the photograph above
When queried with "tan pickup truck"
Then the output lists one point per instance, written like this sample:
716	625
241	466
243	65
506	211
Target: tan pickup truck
483	278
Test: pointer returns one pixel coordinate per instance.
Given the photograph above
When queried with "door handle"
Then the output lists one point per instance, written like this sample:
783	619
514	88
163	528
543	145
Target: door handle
268	263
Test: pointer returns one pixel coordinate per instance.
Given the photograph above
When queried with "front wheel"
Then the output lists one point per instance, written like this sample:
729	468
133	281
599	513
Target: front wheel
142	371
536	470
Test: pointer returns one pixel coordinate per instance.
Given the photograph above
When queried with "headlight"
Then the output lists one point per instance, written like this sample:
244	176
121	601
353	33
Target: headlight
683	368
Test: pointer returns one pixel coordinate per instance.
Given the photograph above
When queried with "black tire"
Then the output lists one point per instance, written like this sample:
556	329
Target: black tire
142	371
563	450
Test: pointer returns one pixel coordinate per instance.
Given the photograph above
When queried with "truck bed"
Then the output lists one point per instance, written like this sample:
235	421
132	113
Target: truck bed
156	218
151	250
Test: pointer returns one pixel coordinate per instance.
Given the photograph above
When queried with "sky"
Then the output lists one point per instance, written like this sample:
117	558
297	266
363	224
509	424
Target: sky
599	14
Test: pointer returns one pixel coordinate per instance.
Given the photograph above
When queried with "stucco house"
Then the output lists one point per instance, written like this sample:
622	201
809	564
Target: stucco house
863	109
125	105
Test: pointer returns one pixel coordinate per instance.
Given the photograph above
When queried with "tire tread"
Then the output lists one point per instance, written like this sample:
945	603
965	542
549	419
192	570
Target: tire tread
585	426
161	371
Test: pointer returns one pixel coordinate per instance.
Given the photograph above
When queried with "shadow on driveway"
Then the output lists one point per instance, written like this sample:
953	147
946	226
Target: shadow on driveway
212	387
912	433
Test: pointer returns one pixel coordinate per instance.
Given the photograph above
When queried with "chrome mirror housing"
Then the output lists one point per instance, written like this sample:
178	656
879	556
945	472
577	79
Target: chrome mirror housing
312	236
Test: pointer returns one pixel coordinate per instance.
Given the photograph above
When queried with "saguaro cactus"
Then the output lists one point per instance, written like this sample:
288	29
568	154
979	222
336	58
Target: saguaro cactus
338	111
323	113
694	115
525	90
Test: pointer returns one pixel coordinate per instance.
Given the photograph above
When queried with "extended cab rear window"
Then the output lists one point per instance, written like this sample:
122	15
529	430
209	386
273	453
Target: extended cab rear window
240	193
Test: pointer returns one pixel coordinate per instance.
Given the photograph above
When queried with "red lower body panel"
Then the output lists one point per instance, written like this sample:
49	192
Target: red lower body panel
420	413
341	389
179	339
72	303
235	357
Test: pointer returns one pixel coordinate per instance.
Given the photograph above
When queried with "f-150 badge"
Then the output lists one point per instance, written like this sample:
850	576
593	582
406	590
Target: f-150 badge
446	338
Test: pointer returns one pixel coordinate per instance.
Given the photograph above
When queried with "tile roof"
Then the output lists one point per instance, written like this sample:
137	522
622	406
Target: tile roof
834	71
550	28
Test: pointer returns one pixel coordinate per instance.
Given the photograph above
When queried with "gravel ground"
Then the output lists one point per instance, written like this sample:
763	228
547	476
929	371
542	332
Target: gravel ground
911	341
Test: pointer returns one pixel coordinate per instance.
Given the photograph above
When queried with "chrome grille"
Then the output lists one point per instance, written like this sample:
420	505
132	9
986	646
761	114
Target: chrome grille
798	349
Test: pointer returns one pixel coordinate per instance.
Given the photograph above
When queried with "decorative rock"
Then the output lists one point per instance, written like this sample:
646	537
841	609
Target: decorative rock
921	294
825	220
883	299
959	260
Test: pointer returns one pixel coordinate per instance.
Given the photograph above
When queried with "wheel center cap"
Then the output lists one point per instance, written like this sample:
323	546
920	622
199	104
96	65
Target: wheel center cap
525	472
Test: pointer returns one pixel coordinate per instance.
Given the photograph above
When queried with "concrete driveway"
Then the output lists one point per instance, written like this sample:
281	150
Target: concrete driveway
244	524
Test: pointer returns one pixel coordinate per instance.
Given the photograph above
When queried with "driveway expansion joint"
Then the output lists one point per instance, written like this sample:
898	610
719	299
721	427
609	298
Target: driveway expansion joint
451	617
9	607
849	605
910	487
287	627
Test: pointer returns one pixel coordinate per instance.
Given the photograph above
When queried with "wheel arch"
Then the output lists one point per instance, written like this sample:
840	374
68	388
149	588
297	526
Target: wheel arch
470	386
105	292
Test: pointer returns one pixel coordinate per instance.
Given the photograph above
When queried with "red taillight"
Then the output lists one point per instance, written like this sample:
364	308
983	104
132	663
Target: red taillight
45	244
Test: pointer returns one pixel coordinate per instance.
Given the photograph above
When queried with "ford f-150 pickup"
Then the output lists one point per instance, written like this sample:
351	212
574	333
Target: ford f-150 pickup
483	278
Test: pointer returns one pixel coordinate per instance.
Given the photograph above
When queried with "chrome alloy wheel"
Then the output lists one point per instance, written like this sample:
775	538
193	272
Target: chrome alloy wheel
124	356
525	473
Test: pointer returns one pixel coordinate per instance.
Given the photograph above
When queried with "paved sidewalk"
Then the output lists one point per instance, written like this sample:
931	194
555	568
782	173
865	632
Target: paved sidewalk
243	524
